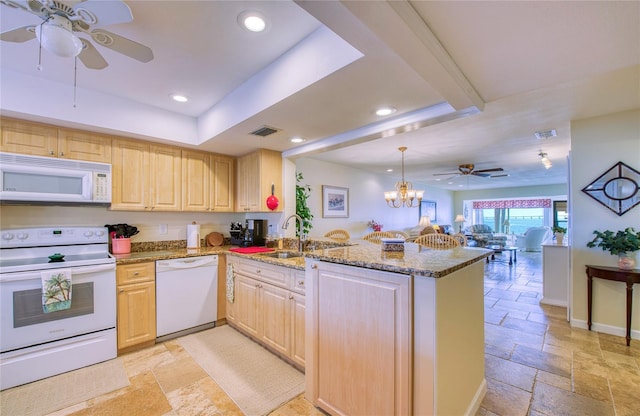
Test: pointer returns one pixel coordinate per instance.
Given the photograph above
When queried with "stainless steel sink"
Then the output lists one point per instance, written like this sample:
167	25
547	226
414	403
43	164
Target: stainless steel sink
284	254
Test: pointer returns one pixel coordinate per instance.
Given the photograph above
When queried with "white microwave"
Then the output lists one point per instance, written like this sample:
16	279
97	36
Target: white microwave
49	180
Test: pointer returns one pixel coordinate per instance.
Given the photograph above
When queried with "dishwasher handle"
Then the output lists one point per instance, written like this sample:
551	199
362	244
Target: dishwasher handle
186	263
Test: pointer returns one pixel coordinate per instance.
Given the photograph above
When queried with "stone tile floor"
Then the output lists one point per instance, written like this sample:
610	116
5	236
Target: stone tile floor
536	364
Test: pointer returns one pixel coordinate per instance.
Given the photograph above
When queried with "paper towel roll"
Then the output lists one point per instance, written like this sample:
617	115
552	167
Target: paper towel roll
193	235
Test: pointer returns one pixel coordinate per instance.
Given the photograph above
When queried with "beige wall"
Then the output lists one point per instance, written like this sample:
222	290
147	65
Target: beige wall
366	199
597	144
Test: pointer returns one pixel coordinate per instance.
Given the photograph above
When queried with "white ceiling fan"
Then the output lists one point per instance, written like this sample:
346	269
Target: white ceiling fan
64	20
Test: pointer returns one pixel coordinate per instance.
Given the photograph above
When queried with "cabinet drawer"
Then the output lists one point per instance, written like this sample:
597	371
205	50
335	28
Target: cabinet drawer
298	284
135	273
279	276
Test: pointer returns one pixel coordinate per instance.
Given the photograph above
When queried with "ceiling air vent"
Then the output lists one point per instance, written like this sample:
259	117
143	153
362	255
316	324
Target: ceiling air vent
264	131
546	134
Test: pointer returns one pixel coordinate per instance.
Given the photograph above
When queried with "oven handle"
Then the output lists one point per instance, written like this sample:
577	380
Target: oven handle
12	277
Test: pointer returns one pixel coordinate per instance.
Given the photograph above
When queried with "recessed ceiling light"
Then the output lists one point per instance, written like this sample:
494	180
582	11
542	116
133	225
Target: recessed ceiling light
389	170
297	140
252	21
179	98
385	111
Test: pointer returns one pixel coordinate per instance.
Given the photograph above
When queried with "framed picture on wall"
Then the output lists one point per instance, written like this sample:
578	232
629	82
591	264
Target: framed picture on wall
335	202
428	208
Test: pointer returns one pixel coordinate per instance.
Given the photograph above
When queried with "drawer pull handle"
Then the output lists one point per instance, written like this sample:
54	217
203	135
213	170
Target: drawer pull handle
121	290
300	282
290	297
315	266
258	271
136	273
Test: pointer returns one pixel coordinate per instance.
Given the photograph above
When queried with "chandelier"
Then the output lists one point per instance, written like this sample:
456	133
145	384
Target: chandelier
404	194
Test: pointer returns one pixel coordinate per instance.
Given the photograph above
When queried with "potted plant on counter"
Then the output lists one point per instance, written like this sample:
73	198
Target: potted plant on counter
559	233
623	244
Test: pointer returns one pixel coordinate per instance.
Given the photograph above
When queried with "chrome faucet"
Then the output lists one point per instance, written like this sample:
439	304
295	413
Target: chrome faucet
286	224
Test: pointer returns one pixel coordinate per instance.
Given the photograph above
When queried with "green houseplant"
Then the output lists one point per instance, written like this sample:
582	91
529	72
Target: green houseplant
559	233
302	209
621	243
557	229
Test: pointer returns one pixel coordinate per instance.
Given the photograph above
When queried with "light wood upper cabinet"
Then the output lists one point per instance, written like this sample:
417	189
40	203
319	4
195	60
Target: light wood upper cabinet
146	176
79	145
208	182
166	178
43	140
257	171
223	190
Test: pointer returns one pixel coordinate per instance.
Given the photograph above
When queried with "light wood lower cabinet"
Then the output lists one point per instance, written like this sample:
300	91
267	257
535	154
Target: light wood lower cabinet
269	306
136	300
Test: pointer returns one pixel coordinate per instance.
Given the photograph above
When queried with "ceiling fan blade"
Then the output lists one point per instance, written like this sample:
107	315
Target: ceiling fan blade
483	175
450	173
90	57
122	45
500	176
21	34
103	13
489	170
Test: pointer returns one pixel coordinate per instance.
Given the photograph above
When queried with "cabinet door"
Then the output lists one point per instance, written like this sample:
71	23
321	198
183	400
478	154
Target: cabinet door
29	138
270	172
276	326
196	176
248	182
73	144
298	310
223	178
130	175
166	178
247	294
136	314
358	317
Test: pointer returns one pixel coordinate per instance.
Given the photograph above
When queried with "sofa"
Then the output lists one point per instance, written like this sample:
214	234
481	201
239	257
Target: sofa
419	230
533	238
481	235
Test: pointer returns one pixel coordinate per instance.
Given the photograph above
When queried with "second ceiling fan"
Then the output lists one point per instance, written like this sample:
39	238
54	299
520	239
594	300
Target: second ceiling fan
469	169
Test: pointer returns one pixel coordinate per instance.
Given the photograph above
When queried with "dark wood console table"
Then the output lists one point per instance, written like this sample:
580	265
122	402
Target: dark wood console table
619	275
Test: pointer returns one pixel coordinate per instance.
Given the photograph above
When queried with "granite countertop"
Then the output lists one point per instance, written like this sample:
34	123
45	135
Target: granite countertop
413	261
166	254
177	253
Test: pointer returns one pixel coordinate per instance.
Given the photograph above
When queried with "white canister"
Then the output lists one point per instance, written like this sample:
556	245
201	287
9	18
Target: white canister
193	235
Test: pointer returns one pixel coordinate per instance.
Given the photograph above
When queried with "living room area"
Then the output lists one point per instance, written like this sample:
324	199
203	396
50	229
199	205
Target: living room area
523	223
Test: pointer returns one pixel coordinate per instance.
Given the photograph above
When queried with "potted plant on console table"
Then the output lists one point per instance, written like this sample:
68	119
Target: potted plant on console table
623	244
559	233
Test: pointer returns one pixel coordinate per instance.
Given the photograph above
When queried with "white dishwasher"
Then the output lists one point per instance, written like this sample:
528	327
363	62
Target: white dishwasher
186	295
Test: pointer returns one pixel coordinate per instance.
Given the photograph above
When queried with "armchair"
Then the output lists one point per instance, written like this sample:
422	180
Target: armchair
482	235
532	239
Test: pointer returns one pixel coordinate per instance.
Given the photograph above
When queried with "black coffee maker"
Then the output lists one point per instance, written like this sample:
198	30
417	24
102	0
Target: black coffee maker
254	233
258	232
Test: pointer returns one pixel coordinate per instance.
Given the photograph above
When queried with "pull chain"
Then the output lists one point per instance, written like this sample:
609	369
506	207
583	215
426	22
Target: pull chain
75	78
39	67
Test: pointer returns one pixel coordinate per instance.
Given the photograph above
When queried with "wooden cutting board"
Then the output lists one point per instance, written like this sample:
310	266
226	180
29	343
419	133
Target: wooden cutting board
214	239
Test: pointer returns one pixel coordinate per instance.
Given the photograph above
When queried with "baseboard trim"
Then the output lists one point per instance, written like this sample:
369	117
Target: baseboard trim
474	406
606	329
553	302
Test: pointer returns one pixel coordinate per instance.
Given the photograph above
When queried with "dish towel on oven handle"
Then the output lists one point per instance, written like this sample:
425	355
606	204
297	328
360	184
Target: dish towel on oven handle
56	290
230	282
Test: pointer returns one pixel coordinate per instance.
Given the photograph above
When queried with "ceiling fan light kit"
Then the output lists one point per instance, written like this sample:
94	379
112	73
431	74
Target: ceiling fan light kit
404	194
61	23
544	159
56	36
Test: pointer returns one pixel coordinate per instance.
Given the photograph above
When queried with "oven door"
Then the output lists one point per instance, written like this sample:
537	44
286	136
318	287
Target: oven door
23	322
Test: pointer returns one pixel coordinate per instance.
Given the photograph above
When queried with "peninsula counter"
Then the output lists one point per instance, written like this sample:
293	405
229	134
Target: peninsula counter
395	333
